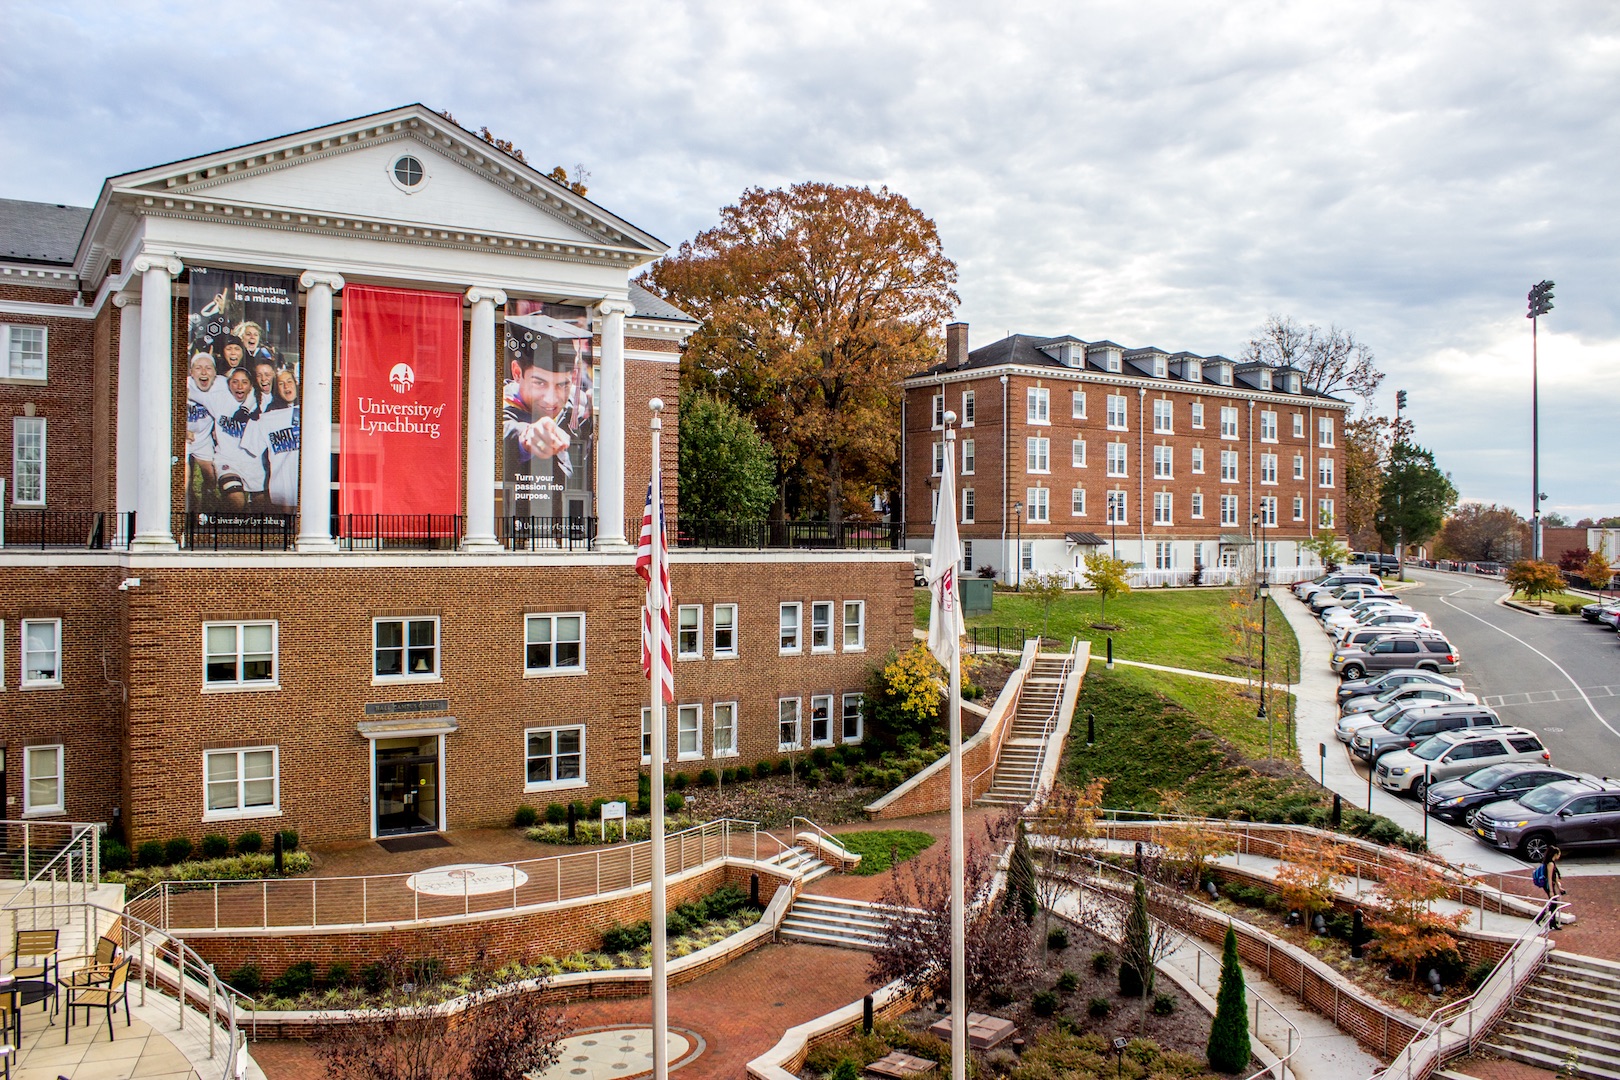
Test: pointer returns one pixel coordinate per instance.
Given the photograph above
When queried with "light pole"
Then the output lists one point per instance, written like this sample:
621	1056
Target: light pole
1018	579
1400	520
1541	295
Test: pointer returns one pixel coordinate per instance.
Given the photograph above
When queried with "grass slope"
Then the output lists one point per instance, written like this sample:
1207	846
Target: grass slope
880	849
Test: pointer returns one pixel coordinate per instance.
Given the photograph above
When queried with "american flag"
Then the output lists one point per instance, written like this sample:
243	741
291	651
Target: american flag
657	592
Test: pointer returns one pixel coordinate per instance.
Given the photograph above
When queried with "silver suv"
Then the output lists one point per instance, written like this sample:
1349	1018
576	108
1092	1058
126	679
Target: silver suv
1413	726
1451	754
1574	813
1405	651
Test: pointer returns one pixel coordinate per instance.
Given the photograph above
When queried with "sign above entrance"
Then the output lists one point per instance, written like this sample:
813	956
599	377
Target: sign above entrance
384	708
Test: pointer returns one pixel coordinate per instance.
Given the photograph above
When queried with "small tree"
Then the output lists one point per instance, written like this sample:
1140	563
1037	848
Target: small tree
1067	822
1327	548
1597	571
1194	843
1307	875
1406	929
903	699
1534	579
1106	576
1229	1035
1020	896
1136	968
1046	589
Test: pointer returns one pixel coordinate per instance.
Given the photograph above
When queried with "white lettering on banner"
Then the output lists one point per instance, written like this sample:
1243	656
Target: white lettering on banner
404	425
260	293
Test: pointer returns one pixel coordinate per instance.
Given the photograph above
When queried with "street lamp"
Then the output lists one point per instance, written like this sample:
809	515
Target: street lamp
1541	295
1018	579
1260	595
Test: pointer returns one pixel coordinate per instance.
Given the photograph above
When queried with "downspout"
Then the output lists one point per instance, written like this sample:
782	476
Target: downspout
1310	465
1252	528
1006	423
1141	474
903	473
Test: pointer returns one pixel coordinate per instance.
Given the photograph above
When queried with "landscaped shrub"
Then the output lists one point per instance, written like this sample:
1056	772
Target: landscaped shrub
289	839
1057	938
375	977
556	813
524	816
819	757
150	853
231	868
812	779
214	846
1164	1004
1000	996
249	843
1099	1007
707	778
678	782
427	970
784	767
674	802
627	938
248	979
836	773
1479	973
1044	1002
762	770
339	975
845	1070
177	850
596	808
1102	962
294	981
114	855
1068	982
579	811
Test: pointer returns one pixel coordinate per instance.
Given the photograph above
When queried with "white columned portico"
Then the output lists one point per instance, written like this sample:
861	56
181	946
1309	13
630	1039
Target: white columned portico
155	470
481	401
610	427
315	414
126	446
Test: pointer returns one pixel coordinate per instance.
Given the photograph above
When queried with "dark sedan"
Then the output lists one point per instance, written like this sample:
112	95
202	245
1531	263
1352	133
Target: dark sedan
1457	800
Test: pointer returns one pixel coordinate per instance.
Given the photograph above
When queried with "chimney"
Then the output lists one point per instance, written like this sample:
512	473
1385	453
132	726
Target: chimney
956	344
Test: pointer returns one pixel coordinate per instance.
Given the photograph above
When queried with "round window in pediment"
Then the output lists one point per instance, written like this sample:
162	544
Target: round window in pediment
408	173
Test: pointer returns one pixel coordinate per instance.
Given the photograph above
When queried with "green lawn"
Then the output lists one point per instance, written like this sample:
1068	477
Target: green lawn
880	849
1175	627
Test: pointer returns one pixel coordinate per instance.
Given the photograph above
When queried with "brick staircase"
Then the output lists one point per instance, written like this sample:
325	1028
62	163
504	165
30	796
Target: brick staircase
1023	751
1572	1005
804	862
833	920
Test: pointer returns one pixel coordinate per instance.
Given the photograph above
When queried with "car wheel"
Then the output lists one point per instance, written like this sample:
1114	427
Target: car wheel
1430	668
1353	671
1469	816
1420	790
1533	848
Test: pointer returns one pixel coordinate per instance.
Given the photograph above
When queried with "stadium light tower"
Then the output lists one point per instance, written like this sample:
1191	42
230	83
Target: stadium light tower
1541	295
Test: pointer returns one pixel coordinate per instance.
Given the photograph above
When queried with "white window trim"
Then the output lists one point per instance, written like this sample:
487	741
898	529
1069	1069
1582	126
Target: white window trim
798	725
1164	409
1197	465
718	653
1299	425
969	457
17	424
556	785
243	813
1167	501
969	506
1081	510
939	459
407	677
829	647
1123	457
832	732
1038	454
1077	454
1165	456
1124	423
1038	405
681	654
646	734
1273	426
1195	506
860	717
714	726
553	671
1077	405
689	755
1324	431
5	355
968	397
240	686
1272	472
25	683
1196	413
798	628
860	643
1044	516
60	808
2	656
1235	422
937	413
1299	508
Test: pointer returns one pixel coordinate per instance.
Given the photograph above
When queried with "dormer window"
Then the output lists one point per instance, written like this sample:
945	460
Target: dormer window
1226	375
1159	369
1192	371
1111	360
1265	379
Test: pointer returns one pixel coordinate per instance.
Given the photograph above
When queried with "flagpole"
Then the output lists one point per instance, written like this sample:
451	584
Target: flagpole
959	1025
660	943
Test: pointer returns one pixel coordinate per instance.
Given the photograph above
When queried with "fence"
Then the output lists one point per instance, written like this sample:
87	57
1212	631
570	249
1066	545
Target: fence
31	846
91	530
548	533
1141	578
265	903
244	531
760	535
995	639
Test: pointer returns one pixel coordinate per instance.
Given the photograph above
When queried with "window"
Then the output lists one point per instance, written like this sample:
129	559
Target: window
1163	462
725	631
821	720
1164	416
554	643
1116	508
1229	466
1299	466
787	714
788	627
1078	405
1299	508
1038	405
821	626
725	728
1035	501
933	508
967	506
239	654
1161	507
42	652
1268	512
939	411
967	408
967	556
1118	459
688	732
1229	509
939	458
1268	426
1197	414
1299	425
1077	502
1198	459
240	783
854	625
28	461
1160	367
851	732
646	737
1324	472
967	457
22	352
1229	422
555	757
1268	468
1026	555
1117	417
689	632
1111	360
405	649
1324	513
42	780
1077	453
1324	431
1163	555
1037	455
1196	504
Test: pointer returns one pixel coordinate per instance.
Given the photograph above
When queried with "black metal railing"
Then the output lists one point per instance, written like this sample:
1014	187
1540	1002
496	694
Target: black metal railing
548	533
398	532
760	535
90	530
238	530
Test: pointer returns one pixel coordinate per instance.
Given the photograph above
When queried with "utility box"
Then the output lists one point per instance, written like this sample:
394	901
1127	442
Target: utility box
977	595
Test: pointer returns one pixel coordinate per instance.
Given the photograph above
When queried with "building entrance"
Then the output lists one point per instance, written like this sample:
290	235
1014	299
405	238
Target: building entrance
407	795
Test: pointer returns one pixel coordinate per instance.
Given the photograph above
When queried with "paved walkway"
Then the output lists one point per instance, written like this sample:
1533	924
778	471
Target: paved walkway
1238	679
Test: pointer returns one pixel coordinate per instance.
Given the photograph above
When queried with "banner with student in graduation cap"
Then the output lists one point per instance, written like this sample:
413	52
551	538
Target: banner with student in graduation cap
548	408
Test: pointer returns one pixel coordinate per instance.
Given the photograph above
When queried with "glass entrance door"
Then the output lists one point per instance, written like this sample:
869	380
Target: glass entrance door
407	785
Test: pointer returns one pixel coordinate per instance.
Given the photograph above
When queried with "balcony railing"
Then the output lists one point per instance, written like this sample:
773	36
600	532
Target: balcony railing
398	532
88	530
548	533
235	531
760	535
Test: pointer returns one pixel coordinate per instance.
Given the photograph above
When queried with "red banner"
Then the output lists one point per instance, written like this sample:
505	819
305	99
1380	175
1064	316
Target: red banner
401	446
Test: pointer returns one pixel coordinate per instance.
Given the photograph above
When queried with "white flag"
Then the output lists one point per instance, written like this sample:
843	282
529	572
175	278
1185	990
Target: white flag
945	627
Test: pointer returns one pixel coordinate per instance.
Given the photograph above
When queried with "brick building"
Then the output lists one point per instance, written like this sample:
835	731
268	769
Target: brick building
1170	461
194	644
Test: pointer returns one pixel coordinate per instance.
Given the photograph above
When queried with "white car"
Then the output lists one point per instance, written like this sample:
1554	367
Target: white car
1394	620
1410	692
1360	613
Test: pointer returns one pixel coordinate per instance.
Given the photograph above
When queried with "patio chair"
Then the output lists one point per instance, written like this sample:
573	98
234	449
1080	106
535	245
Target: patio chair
103	996
40	948
99	969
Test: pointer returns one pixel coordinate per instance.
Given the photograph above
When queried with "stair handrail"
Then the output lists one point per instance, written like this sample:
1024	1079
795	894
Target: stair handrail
84	841
1047	725
1008	721
818	830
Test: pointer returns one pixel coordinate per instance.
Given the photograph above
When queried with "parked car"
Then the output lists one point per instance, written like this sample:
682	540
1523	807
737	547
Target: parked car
1591	611
1347	726
1428	653
1335	619
1368	703
1460	799
1584	812
1386	564
1411	727
1403	620
1451	754
1349	596
1398	677
1361	637
1305	589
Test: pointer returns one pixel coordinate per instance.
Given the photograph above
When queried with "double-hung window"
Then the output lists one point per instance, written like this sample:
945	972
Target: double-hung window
41	652
1229	466
1268	468
553	644
1164	416
1037	504
851	719
688	732
725	728
939	411
22	353
1118	459
725	631
939	458
787	625
28	461
1229	509
1324	431
1037	455
1161	507
968	408
689	632
1198	459
1197	411
1195	505
405	649
1163	462
821	733
967	457
1299	466
854	625
1268	426
787	723
1077	502
1324	513
1164	555
241	782
1268	512
43	780
1299	508
821	639
1324	472
967	506
1038	405
1229	422
554	757
1116	508
1299	425
1078	405
1118	418
239	654
1077	454
646	737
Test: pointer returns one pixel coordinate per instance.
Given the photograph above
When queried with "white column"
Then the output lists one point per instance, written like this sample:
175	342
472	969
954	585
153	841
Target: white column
126	448
610	427
315	414
481	402
155	441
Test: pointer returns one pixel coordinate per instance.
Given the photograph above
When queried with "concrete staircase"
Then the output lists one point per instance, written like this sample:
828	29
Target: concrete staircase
1018	768
1572	1005
833	920
802	862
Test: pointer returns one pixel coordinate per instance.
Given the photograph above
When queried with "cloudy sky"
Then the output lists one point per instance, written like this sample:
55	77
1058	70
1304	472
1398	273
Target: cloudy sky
1154	173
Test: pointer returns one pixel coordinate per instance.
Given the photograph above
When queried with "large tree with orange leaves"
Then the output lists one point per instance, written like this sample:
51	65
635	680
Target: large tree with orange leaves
814	302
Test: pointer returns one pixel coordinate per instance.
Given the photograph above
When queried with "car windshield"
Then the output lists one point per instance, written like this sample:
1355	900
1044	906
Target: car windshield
1545	799
1430	749
1392	693
1488	778
1388	712
1404	724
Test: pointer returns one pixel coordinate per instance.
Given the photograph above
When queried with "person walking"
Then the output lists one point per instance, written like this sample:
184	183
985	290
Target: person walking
1551	880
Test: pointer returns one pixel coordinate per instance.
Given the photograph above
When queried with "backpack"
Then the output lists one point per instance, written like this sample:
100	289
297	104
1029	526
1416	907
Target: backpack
1539	876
